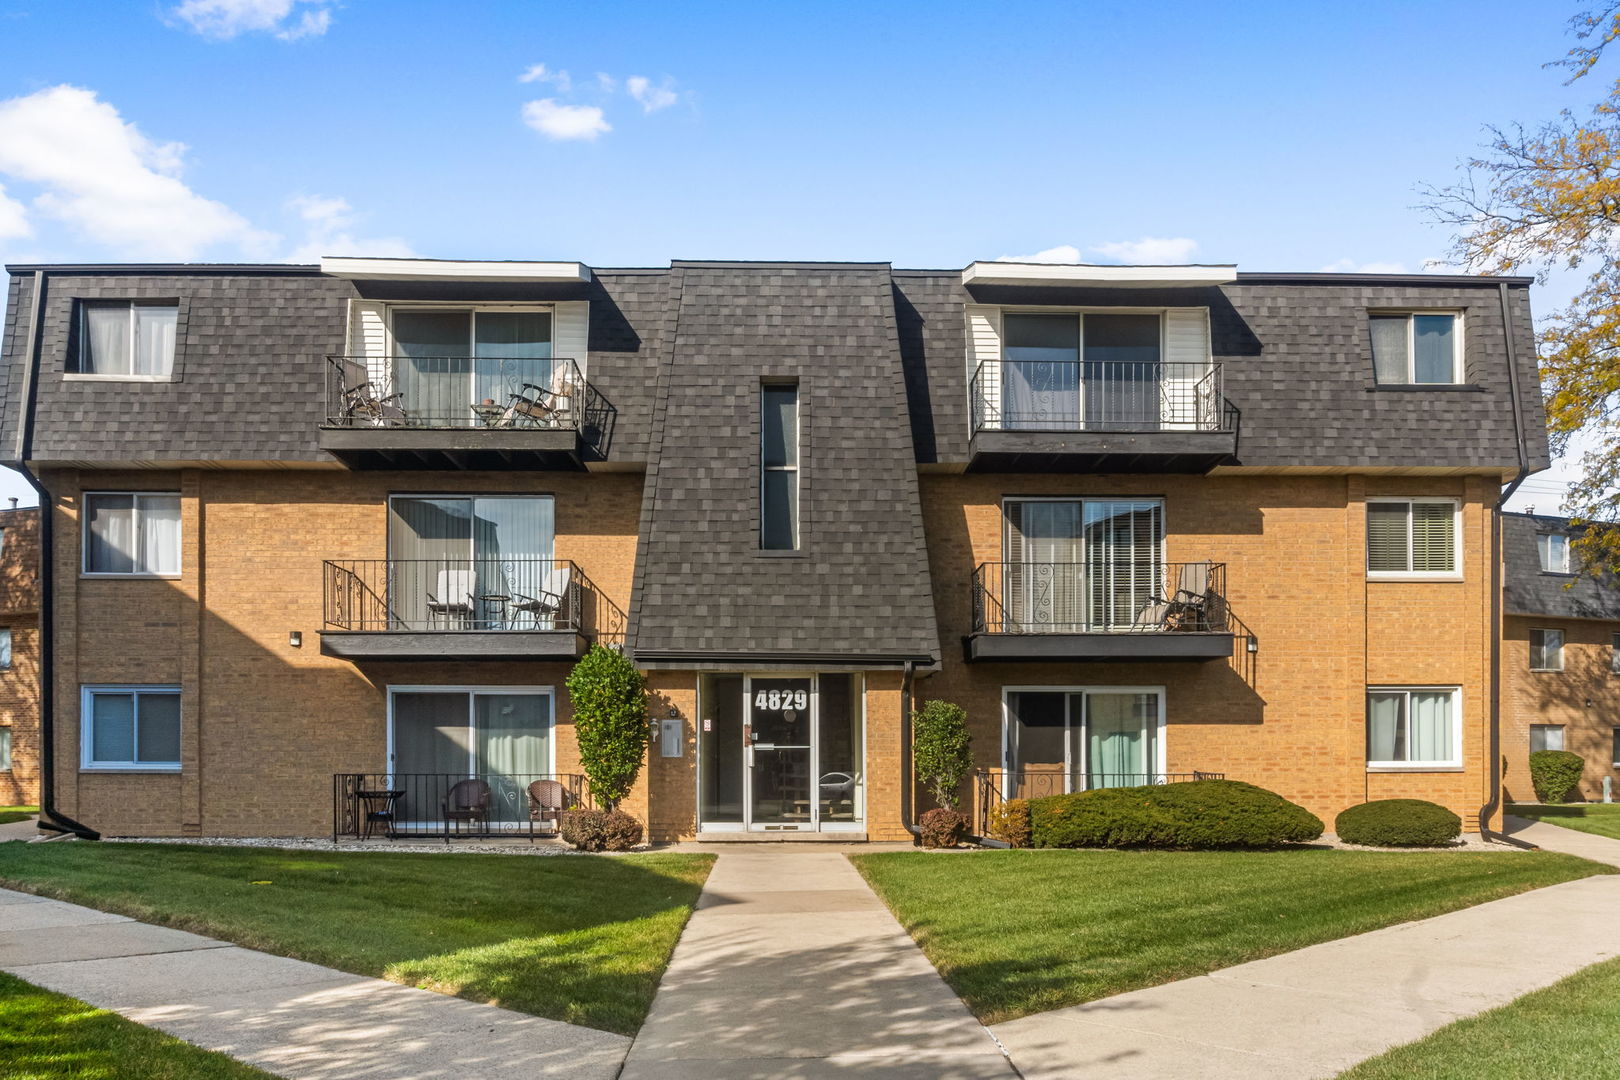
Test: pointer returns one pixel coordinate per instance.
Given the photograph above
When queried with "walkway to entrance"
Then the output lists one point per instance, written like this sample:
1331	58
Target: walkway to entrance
791	969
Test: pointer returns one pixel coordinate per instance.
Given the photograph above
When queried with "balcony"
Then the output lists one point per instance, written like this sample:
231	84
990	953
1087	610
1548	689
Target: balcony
464	609
456	412
1100	416
1107	611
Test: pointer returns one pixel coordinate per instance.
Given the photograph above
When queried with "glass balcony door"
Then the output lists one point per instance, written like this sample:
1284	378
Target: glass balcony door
1064	739
439	736
448	362
1081	565
460	562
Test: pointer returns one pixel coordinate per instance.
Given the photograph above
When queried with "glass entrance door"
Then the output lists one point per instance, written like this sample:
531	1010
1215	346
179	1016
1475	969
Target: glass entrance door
779	735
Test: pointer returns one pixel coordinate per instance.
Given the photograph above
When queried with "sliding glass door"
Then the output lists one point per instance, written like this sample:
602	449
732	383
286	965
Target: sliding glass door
1097	371
439	736
1062	739
459	562
1080	565
447	362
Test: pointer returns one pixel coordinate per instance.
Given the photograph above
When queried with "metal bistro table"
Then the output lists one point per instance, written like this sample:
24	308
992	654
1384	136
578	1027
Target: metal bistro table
377	808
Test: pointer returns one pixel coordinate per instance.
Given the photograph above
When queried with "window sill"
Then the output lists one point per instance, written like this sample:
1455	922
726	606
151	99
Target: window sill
85	376
133	770
1424	388
1546	671
1557	573
770	554
1416	767
1394	576
100	575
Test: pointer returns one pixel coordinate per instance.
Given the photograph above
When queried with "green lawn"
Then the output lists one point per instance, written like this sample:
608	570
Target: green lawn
1018	932
577	938
8	814
1600	818
1568	1031
46	1036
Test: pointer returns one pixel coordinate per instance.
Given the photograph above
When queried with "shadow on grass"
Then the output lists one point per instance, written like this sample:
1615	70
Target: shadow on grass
583	939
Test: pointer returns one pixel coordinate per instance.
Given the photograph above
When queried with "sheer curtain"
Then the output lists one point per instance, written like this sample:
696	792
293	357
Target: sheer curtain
1386	727
1118	730
1389	349
1040	382
154	339
511	348
1431	725
512	736
112	534
433	370
159	520
106	340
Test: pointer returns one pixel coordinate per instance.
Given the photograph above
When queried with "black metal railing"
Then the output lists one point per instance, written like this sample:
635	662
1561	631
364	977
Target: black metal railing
992	787
1098	395
467	593
455	392
376	805
1108	596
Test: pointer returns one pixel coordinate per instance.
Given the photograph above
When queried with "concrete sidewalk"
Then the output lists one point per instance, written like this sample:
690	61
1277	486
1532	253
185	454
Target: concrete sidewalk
1557	838
791	969
295	1019
1317	1011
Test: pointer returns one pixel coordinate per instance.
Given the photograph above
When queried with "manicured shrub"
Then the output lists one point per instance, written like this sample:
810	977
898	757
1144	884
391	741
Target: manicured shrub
1555	773
601	830
940	750
942	828
1195	816
1398	823
610	721
1009	822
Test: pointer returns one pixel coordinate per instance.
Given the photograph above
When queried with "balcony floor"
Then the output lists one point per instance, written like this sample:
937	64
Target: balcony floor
453	644
1180	645
454	448
1167	451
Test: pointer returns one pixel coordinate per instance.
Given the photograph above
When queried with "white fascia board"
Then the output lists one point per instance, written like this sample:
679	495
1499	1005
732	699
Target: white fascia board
356	269
1116	277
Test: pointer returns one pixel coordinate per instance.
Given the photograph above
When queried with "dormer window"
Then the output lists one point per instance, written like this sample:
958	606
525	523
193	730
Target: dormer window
1416	348
131	339
1553	550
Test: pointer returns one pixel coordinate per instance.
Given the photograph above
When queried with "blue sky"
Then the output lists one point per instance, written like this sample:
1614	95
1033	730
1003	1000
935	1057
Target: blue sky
1280	136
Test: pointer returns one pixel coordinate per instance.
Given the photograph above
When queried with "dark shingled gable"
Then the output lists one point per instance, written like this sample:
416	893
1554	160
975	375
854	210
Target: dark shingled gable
1528	591
858	590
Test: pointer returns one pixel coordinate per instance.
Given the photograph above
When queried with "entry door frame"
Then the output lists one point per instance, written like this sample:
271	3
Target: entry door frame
1072	769
812	733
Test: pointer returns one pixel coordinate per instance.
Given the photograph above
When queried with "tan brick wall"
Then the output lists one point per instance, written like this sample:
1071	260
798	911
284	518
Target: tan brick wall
264	724
1584	698
19	684
1291	717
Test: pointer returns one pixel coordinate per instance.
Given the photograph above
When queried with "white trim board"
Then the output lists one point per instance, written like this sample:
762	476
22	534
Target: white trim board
1078	274
363	269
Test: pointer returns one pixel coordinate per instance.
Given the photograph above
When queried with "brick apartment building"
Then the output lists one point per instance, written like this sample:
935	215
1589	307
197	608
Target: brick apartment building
19	656
322	530
1560	656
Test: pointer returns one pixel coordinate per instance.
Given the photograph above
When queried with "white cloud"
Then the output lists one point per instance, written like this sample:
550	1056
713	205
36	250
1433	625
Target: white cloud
1063	253
558	121
13	217
540	73
328	222
652	98
607	82
1149	250
225	19
108	181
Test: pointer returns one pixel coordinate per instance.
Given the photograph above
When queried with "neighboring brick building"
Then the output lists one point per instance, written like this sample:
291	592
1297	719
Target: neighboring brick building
1560	656
328	529
19	656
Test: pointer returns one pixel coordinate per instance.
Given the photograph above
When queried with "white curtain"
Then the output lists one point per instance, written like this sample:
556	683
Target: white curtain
513	740
1386	728
1389	349
1431	725
106	344
159	518
112	534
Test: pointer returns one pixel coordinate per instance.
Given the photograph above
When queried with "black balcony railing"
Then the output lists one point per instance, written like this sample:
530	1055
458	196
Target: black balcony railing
1110	596
461	593
992	787
1098	395
447	392
367	805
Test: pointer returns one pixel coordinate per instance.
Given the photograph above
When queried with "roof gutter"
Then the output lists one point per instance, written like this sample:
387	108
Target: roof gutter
1494	762
49	816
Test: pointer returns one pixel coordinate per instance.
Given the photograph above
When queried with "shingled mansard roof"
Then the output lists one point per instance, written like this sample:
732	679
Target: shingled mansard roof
1527	590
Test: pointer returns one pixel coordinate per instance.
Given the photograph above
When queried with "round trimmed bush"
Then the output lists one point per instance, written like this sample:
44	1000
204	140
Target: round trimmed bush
1555	773
1199	815
1009	822
1398	823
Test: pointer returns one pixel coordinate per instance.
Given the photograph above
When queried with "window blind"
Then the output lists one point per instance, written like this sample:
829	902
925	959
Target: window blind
1434	539
1386	537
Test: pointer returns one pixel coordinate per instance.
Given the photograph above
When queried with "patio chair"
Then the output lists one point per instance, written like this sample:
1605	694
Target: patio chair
544	608
1186	607
357	395
547	801
452	598
466	801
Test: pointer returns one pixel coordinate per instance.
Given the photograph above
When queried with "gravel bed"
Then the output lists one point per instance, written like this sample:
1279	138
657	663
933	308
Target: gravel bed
421	847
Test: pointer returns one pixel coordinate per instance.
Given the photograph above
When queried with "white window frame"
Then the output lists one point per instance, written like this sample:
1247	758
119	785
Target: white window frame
1455	764
1562	639
1458	375
798	462
7	748
82	319
1562	734
87	722
7	640
1455	574
1614	654
84	534
1614	745
1071	768
1565	548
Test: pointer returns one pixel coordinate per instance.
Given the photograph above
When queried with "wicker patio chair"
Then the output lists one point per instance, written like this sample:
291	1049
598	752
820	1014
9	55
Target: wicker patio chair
466	801
547	801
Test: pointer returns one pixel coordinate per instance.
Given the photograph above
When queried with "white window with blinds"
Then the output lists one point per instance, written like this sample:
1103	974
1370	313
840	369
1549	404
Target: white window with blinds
1413	538
1414	727
1080	565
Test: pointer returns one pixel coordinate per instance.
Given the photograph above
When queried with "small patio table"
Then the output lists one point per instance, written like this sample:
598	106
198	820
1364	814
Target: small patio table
495	617
377	808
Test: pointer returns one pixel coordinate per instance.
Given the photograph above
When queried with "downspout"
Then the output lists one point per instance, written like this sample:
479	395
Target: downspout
907	782
49	817
1494	762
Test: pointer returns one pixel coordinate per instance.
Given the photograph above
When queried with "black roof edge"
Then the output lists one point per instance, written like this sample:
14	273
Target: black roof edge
769	264
771	656
1325	278
300	269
